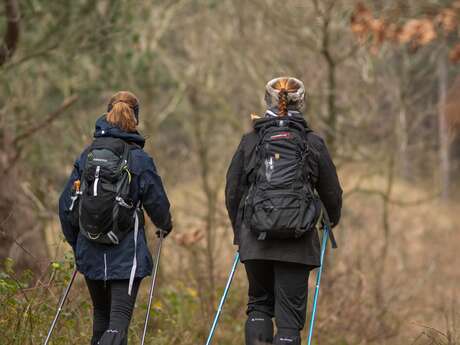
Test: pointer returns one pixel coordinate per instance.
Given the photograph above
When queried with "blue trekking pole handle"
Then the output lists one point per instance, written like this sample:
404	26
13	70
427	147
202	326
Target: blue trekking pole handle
224	297
318	281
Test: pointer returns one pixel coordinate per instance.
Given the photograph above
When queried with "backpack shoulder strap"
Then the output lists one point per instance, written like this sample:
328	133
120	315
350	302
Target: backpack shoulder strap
126	149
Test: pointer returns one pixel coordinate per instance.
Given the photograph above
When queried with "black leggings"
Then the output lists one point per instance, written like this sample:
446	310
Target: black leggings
276	289
112	310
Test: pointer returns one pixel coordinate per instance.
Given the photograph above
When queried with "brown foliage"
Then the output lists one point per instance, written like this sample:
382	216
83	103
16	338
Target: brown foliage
190	238
454	54
448	20
364	25
416	32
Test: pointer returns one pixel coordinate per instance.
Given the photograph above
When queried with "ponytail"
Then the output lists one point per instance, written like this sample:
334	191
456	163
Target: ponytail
122	111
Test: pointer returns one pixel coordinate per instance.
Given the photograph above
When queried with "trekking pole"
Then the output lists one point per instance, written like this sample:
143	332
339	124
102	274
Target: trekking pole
224	297
152	287
318	280
61	303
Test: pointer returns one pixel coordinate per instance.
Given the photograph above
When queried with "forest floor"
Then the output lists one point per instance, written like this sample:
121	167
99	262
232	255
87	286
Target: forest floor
393	286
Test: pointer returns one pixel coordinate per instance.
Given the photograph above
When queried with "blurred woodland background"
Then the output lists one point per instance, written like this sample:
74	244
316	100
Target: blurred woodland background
383	88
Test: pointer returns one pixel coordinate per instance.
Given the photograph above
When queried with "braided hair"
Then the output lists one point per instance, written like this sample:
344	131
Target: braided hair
283	102
285	86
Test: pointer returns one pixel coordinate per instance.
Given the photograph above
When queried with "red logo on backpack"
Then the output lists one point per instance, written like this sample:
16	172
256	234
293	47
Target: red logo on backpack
283	135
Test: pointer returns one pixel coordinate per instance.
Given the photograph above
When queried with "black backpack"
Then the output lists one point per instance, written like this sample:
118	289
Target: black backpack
281	203
105	210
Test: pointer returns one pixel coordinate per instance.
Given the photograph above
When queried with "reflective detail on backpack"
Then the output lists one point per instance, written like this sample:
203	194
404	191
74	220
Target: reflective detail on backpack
96	180
123	203
73	199
113	237
269	167
93	237
262	236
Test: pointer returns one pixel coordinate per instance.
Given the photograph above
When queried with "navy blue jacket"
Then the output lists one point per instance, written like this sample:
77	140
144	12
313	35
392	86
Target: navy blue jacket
106	262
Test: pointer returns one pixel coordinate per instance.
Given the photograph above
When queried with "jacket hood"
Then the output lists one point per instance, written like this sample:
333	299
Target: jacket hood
106	129
271	115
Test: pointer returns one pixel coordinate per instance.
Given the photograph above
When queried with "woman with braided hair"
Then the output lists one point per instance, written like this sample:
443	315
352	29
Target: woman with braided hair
278	178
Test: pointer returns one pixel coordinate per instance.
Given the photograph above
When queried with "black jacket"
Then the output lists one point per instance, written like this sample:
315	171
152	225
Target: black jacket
305	250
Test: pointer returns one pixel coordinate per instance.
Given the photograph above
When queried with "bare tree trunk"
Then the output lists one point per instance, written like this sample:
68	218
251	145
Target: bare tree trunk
444	159
202	134
331	118
403	143
380	271
19	232
11	38
331	103
402	126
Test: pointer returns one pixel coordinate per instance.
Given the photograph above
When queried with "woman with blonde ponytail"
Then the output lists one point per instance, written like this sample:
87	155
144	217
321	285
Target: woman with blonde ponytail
273	183
101	211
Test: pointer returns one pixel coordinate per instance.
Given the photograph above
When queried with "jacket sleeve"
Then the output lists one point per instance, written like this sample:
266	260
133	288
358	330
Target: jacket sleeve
70	232
328	185
154	198
234	189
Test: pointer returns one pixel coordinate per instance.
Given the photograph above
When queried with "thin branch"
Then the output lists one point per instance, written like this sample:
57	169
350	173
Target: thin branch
172	104
33	55
67	103
11	162
167	20
5	235
344	57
